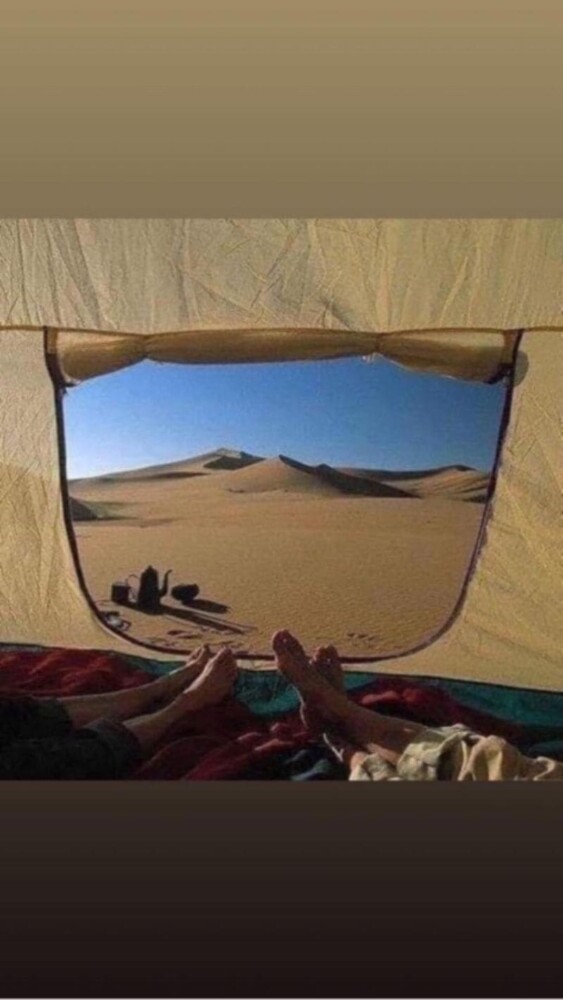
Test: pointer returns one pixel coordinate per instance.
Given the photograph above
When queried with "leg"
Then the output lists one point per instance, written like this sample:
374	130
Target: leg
213	684
84	709
326	662
106	750
365	729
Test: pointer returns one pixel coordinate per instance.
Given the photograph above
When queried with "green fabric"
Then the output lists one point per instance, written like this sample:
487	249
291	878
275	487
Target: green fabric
267	694
520	705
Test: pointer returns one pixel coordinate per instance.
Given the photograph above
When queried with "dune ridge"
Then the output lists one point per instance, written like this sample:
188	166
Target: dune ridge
248	473
220	458
452	482
290	476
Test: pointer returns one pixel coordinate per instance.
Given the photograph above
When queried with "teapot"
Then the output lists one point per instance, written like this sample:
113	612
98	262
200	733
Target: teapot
150	593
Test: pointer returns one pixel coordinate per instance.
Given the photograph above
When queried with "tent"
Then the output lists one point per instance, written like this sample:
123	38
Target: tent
470	299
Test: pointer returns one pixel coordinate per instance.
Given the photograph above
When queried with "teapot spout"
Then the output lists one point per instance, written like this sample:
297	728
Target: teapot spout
164	589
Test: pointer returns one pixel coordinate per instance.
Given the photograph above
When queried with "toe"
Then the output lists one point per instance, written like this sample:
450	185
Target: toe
201	656
324	660
279	641
294	648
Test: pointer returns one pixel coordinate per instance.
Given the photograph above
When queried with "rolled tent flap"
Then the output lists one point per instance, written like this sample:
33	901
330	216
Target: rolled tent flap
473	355
477	356
244	346
82	354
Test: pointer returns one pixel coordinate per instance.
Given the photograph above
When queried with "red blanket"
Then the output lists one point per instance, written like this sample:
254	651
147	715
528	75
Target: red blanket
223	743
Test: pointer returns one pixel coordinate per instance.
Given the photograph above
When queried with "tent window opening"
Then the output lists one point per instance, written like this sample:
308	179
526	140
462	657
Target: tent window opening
341	499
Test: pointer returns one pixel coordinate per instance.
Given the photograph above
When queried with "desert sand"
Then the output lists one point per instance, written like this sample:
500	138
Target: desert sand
370	560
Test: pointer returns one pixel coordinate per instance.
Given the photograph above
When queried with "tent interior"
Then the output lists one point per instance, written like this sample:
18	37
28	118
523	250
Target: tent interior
475	300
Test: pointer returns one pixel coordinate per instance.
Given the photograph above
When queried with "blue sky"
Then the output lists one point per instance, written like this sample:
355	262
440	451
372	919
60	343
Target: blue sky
344	412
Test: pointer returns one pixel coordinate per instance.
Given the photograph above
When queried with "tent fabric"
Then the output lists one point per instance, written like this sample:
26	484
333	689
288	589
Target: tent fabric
440	295
151	276
41	598
251	737
476	356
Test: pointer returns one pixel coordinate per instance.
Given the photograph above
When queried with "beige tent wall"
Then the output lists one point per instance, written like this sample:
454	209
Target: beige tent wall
144	276
41	601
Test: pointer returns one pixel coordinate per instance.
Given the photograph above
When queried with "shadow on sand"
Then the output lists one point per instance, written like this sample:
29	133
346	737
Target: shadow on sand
213	607
200	613
196	617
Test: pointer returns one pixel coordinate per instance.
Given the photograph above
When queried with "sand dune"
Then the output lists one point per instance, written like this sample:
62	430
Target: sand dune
221	459
359	485
454	482
251	473
276	474
289	476
339	555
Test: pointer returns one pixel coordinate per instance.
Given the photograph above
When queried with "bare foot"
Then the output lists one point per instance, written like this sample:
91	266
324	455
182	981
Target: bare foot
365	729
134	701
214	683
326	661
320	700
292	660
178	680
